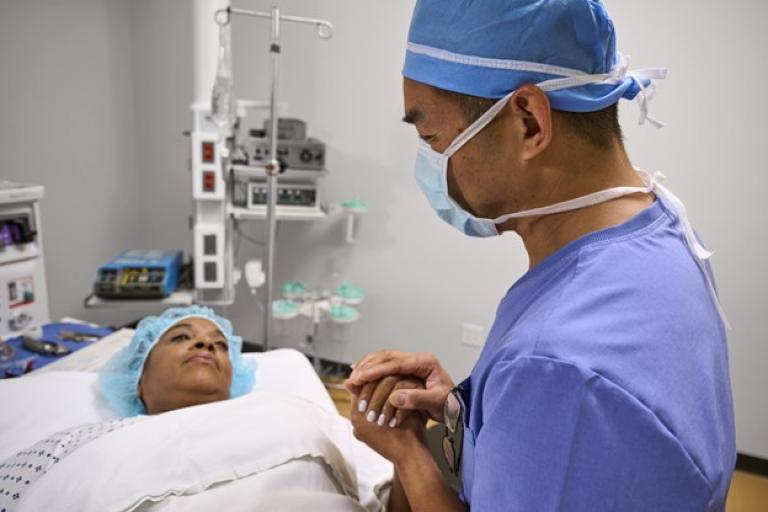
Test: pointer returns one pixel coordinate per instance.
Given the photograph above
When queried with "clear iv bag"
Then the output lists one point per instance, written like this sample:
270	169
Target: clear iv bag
223	107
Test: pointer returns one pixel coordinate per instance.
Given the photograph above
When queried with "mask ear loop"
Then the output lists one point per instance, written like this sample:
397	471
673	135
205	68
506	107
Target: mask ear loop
546	86
480	123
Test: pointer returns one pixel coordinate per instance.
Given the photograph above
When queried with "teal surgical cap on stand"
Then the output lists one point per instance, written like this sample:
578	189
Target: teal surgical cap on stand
119	380
489	48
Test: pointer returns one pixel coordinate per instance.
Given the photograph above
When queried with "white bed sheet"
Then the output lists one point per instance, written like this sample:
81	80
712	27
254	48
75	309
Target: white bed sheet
266	491
187	451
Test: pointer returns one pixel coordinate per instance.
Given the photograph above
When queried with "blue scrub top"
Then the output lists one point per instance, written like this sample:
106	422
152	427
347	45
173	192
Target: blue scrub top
604	383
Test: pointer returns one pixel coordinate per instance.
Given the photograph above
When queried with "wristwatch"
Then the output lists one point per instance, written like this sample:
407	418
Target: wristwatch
451	411
453	441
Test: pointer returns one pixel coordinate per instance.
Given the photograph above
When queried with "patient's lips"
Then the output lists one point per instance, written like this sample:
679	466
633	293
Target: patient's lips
203	358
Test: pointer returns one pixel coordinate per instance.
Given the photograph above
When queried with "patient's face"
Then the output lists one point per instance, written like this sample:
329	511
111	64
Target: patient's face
189	366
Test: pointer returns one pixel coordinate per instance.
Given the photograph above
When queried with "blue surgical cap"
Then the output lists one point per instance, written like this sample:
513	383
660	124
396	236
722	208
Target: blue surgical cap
119	379
484	48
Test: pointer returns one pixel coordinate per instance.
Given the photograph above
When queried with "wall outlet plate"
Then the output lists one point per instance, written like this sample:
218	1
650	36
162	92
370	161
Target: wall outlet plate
472	335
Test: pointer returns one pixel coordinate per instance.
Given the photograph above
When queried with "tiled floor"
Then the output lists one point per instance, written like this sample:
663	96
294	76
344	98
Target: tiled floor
749	493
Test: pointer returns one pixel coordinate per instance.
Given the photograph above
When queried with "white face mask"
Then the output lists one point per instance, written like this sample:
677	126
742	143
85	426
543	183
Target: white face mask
432	175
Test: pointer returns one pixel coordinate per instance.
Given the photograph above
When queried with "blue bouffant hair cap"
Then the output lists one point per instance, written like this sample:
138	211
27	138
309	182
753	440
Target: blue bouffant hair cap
490	48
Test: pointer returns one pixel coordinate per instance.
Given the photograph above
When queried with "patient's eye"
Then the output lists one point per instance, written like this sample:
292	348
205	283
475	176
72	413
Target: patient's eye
180	337
222	345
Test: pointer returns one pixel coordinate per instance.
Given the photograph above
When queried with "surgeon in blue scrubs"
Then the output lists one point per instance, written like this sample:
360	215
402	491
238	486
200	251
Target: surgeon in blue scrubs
603	385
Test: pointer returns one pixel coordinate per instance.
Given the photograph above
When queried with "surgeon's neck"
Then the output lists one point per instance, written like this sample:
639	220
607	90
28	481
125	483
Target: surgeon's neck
578	172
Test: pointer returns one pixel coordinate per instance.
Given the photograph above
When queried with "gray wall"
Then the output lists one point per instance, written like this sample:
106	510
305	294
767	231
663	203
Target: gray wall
162	66
423	280
67	121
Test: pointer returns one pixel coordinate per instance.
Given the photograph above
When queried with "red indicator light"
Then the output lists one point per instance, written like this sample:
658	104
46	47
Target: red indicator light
209	181
208	152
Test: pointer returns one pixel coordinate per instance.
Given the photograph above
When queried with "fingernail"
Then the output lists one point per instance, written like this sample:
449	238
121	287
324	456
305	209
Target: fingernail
400	399
371	416
393	423
362	406
353	365
381	421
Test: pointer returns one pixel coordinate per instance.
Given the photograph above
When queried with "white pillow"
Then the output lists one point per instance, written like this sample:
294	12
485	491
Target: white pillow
288	371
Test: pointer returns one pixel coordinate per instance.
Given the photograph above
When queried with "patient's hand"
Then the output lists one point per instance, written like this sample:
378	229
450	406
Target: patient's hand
391	442
376	366
374	402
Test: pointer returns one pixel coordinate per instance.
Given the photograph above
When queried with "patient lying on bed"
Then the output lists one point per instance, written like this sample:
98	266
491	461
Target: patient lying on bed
184	357
272	451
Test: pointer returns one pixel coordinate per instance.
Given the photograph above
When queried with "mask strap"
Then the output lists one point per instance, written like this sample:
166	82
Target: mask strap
480	123
582	202
653	183
699	252
618	74
546	86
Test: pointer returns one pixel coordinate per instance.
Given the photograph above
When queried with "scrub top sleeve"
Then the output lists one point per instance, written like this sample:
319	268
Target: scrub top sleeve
555	436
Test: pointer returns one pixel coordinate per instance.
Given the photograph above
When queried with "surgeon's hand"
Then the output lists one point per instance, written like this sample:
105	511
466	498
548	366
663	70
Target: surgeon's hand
394	444
392	363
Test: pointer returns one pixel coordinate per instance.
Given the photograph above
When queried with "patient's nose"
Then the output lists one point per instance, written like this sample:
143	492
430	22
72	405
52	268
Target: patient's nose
203	345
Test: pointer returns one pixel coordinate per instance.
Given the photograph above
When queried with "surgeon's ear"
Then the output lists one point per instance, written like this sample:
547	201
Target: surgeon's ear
531	106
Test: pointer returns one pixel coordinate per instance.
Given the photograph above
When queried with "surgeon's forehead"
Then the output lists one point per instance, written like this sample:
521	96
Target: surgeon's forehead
424	103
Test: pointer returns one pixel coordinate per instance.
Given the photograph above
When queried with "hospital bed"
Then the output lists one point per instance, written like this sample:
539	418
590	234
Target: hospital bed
282	447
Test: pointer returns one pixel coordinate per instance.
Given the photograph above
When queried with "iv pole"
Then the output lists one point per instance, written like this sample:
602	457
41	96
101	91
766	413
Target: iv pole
274	167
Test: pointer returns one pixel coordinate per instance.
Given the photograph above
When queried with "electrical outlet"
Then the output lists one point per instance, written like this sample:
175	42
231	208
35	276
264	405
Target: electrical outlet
472	335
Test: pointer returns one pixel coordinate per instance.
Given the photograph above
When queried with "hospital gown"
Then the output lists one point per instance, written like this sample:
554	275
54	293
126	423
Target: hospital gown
22	470
604	383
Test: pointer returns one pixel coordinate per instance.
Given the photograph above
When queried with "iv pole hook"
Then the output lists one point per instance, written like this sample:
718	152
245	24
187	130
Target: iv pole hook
324	28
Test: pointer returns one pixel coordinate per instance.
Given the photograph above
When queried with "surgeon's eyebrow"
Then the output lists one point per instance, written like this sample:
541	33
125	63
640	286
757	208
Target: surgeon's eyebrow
413	116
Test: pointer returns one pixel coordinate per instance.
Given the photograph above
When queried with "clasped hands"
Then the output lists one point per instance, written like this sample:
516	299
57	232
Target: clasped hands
393	394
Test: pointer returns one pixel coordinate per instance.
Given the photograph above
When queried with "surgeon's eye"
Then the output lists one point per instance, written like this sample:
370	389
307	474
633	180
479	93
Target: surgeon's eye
180	337
427	138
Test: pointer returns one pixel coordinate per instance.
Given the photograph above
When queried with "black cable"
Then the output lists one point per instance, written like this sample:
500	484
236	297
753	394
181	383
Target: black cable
246	237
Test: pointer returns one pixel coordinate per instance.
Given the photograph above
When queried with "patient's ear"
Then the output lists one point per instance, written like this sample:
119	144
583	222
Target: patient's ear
140	392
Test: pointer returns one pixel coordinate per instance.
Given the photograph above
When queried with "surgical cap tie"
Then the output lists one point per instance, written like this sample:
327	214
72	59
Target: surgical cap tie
644	79
647	93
